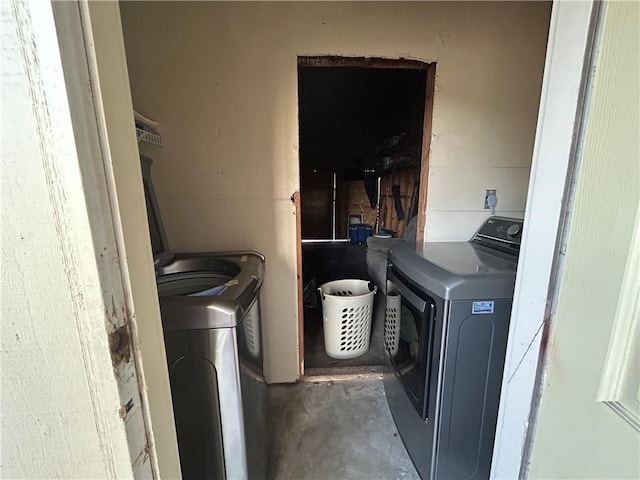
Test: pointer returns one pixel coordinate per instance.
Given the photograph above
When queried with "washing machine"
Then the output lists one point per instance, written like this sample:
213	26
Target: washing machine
210	308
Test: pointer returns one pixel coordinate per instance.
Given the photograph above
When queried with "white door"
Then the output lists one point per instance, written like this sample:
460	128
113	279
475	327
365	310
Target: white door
589	414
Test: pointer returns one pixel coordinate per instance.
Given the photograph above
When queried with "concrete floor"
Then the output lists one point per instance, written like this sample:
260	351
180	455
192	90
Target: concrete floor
336	430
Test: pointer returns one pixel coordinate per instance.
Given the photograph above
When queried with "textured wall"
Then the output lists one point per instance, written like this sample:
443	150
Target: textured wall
221	78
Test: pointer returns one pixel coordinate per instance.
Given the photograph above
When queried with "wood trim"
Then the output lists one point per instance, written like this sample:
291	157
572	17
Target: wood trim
361	62
426	146
77	37
296	202
337	374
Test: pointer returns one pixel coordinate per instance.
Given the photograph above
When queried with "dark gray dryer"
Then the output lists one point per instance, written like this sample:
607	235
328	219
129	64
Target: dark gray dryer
210	311
446	327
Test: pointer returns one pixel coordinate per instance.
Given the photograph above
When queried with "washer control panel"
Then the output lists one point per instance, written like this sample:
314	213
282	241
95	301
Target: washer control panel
514	230
500	229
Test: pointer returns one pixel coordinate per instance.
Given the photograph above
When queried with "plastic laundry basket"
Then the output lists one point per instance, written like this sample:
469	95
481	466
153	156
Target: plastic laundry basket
251	327
392	321
346	312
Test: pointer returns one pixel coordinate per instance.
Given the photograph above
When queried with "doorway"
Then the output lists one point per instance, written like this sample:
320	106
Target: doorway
365	127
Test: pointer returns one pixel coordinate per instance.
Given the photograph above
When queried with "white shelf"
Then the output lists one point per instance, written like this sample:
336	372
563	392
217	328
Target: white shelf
149	137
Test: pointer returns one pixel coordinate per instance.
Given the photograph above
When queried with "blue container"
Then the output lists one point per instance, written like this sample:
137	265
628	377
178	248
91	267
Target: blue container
358	233
353	233
367	233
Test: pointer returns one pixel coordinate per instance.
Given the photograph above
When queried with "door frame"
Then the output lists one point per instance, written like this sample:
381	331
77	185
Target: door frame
567	50
90	42
561	115
427	122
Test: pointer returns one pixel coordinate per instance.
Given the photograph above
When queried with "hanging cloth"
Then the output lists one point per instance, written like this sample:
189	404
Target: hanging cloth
397	201
371	187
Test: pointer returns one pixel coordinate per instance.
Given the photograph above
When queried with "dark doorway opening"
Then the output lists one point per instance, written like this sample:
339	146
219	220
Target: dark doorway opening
362	161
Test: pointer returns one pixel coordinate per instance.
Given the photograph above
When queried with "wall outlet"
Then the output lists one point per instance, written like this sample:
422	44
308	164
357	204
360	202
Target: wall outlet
486	198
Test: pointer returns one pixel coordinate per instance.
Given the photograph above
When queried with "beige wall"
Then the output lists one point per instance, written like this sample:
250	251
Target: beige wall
221	80
577	436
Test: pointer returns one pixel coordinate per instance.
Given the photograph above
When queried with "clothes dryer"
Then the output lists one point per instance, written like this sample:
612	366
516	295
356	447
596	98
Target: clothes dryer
450	327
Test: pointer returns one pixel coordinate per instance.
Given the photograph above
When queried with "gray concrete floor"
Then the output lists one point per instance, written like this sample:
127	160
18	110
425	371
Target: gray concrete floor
336	430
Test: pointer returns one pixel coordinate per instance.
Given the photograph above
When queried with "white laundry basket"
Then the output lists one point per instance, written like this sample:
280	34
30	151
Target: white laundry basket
346	313
392	321
251	327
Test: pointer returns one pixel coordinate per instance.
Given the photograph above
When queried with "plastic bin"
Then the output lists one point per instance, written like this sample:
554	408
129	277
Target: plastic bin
353	233
347	306
358	233
364	232
392	320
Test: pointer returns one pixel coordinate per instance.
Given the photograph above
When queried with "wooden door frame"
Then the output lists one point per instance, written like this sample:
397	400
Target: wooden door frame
55	52
89	37
427	123
566	72
295	198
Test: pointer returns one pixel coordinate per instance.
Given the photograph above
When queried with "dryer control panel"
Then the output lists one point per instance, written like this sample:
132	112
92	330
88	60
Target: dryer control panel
500	233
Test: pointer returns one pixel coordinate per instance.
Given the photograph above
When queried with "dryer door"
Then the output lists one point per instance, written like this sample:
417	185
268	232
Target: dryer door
410	330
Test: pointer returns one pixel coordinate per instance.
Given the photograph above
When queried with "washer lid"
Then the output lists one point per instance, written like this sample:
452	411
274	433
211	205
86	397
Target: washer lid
456	270
159	246
194	284
208	290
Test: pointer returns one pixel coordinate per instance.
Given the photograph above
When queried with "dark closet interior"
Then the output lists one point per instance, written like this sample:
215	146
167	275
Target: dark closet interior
360	134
